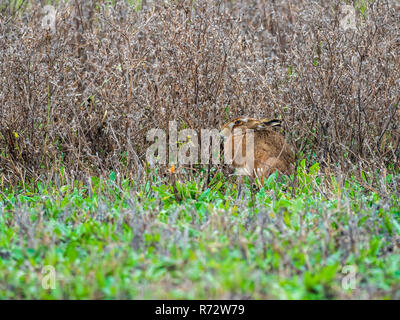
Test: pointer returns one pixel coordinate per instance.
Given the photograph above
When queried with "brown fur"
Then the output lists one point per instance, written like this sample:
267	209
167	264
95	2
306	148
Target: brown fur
271	151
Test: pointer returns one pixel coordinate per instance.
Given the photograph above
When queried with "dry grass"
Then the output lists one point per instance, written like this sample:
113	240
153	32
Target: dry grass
84	97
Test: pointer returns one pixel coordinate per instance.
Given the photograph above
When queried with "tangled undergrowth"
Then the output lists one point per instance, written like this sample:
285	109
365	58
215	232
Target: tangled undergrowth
83	97
78	197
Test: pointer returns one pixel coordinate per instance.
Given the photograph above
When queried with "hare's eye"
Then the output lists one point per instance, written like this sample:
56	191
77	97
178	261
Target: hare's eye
237	122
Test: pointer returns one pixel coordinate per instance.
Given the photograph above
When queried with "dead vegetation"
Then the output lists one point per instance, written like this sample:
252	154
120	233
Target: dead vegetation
84	97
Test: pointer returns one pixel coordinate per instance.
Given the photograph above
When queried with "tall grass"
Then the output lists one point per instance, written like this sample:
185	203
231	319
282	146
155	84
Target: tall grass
84	97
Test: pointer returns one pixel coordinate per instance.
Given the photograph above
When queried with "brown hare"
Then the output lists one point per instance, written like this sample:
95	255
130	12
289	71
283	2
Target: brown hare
271	151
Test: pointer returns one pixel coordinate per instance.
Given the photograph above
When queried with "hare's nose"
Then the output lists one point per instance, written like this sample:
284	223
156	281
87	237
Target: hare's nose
224	133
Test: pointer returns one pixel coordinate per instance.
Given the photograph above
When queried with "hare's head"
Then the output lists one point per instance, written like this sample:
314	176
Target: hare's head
248	123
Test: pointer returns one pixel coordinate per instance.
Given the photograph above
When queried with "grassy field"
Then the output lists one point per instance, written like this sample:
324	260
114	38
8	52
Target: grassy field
83	83
113	239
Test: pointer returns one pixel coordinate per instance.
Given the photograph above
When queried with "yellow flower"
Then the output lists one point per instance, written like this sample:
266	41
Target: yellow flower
16	134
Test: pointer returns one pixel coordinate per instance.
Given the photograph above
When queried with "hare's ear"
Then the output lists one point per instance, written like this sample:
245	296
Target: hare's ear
271	123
